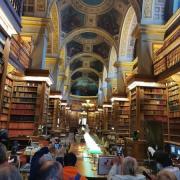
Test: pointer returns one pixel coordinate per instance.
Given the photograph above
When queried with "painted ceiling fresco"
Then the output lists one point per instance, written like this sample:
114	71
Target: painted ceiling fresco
71	19
97	65
82	15
93	76
109	22
89	35
76	64
102	49
73	48
76	75
93	2
84	87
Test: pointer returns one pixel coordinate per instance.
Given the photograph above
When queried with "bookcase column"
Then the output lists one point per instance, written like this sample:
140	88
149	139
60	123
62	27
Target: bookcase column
120	81
147	36
4	73
109	89
39	52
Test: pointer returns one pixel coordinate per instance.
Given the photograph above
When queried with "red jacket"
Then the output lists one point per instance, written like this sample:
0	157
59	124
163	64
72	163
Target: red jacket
70	173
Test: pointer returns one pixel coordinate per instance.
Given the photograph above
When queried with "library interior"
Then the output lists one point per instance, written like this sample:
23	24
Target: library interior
89	89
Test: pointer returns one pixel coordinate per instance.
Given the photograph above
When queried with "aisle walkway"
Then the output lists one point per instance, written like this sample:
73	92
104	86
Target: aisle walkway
84	162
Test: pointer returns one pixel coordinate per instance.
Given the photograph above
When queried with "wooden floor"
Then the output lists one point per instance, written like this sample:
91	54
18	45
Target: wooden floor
85	164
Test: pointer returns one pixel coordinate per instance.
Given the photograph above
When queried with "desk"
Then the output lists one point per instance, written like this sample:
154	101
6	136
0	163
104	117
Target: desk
84	164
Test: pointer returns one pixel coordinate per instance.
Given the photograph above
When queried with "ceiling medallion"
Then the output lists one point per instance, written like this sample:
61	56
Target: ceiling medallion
92	7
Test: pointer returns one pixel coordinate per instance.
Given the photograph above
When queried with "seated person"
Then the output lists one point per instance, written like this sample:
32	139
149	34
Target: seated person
164	162
39	157
70	171
9	172
128	170
50	170
166	175
3	155
14	158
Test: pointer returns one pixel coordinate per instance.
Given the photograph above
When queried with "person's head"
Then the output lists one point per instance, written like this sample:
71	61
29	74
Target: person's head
70	159
162	160
9	173
50	170
3	153
166	175
129	166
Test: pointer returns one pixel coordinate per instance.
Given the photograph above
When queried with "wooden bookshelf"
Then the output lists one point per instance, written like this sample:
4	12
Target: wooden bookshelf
167	58
121	117
107	122
53	111
4	116
173	126
148	106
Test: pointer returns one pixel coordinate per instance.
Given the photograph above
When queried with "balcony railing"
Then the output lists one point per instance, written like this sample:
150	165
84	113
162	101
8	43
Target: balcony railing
17	4
20	51
168	56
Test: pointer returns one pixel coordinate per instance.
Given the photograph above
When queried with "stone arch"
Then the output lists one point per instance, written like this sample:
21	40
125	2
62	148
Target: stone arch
87	70
94	55
98	31
127	41
86	78
112	72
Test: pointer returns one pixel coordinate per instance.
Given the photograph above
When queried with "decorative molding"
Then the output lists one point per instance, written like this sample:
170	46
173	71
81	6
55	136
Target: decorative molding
86	70
98	9
98	31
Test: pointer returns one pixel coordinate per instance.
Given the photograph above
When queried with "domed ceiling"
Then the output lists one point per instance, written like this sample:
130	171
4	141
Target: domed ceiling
89	29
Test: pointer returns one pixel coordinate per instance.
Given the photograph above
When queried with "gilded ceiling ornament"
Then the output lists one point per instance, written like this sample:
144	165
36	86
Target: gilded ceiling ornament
92	9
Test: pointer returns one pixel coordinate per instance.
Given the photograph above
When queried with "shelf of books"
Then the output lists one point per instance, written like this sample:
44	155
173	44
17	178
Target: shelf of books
174	111
168	56
92	120
53	112
25	105
121	117
45	105
108	123
4	116
148	104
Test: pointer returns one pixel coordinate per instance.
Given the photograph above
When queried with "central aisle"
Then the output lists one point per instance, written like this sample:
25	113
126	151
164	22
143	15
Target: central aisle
85	162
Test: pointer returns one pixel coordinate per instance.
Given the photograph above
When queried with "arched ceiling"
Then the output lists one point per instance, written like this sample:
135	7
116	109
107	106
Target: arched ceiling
89	29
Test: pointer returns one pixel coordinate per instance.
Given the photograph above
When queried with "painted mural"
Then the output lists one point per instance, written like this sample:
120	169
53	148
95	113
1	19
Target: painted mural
71	19
76	64
109	22
102	49
74	48
76	75
84	87
97	65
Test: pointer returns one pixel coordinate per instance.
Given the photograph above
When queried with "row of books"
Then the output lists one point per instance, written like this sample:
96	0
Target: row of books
155	96
23	112
154	90
25	89
152	112
173	57
22	117
152	107
175	114
23	100
23	106
23	83
154	102
17	125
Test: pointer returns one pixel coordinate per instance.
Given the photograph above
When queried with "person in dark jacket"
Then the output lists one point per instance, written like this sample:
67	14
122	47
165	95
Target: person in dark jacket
39	157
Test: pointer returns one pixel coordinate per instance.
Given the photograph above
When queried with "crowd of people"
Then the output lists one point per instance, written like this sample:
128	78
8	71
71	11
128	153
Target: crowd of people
53	162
